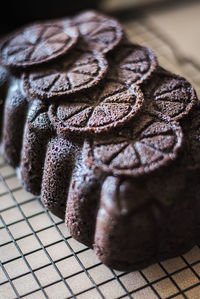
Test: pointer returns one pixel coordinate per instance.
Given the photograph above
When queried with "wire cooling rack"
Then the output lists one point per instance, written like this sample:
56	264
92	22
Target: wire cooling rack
39	258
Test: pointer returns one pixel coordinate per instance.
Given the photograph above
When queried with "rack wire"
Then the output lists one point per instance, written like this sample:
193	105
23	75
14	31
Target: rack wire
39	258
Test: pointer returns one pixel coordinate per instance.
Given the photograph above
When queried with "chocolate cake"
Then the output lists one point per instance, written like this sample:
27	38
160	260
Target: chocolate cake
107	137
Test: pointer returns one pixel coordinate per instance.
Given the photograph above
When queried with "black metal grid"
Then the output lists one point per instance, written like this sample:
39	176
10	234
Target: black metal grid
119	278
179	278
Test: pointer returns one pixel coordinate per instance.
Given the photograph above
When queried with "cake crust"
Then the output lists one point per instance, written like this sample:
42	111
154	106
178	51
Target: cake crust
108	138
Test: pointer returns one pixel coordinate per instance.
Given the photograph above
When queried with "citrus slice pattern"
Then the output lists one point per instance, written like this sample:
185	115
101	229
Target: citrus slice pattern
102	109
132	63
136	151
37	44
171	95
75	72
100	33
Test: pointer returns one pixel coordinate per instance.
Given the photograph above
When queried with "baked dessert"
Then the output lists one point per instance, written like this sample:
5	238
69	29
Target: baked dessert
106	136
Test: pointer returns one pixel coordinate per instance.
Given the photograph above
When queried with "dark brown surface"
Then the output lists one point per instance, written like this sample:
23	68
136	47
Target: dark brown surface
99	33
125	189
173	96
3	90
37	44
37	133
100	110
138	150
78	71
15	110
132	64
